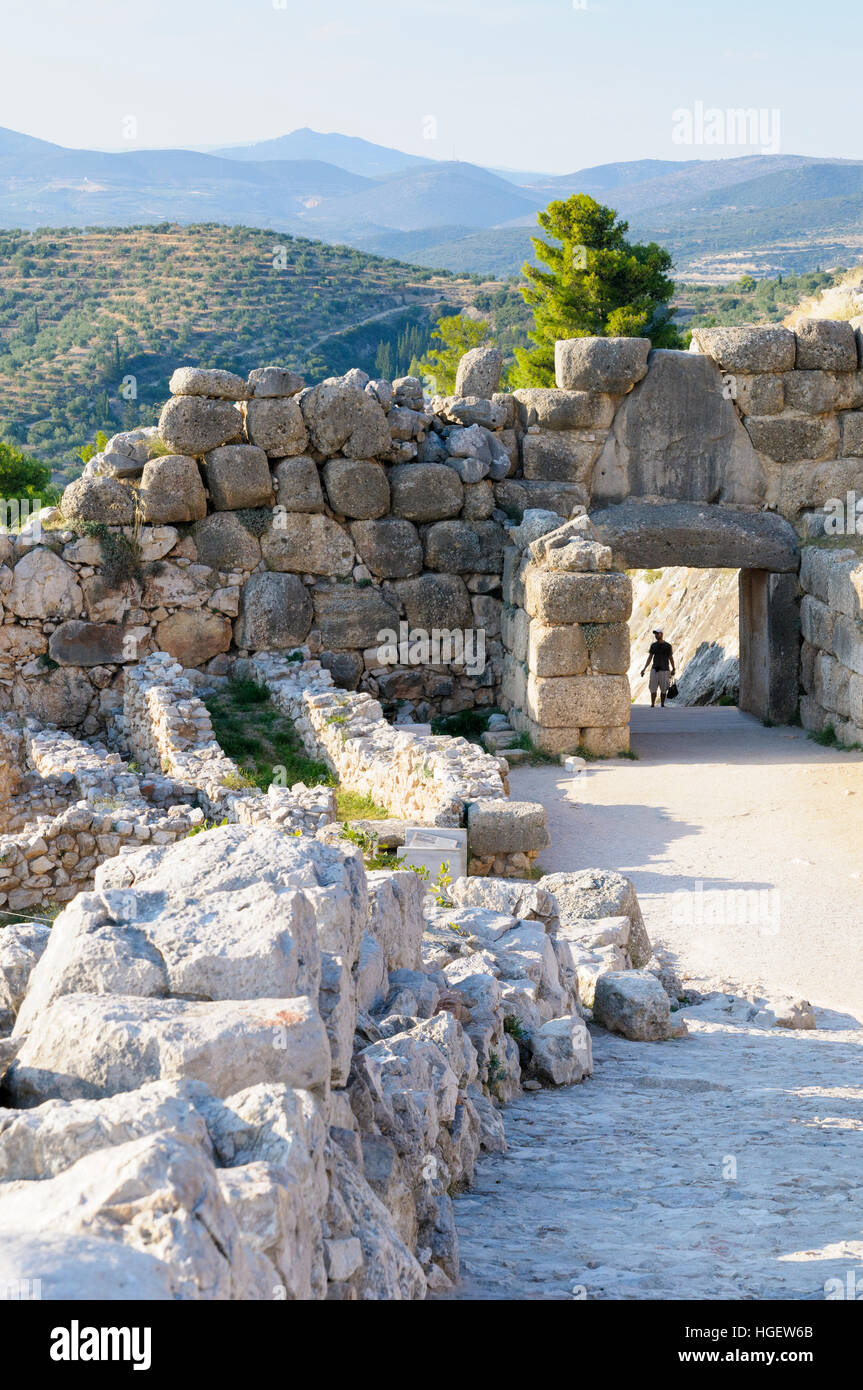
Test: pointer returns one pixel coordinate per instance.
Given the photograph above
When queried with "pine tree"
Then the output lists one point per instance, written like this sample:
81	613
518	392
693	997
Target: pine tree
596	284
457	335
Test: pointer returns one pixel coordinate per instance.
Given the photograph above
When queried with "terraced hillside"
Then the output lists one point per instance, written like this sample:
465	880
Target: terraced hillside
82	312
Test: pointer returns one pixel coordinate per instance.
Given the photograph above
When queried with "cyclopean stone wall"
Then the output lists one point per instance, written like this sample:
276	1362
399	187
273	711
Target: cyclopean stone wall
261	514
832	656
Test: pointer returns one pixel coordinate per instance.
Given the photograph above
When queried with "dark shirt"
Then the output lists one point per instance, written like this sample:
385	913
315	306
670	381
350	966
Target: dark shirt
661	653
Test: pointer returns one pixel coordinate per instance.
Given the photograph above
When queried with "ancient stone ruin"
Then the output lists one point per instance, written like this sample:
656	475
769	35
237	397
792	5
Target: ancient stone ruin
241	1009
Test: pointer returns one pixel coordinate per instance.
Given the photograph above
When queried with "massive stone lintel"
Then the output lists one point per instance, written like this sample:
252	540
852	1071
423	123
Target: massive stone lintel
649	535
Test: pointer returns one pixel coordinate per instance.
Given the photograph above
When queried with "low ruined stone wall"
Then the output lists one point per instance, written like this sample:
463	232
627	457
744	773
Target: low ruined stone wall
831	615
293	1065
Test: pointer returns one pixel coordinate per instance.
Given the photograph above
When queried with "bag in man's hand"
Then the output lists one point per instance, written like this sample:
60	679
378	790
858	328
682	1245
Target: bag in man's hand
672	692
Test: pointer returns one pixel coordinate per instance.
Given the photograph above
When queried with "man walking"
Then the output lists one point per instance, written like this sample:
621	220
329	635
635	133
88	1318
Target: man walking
660	658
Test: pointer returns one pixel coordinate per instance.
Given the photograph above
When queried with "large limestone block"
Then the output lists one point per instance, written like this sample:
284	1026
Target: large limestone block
751	348
437	601
478	372
275	612
557	651
566	701
62	697
208	381
357	488
851	423
600	364
555	597
825	345
389	1271
275	381
609	649
68	1268
805	485
44	586
342	418
515	628
89	644
762	393
396	917
89	1045
351	617
813	393
561	1052
564	410
194	424
678	436
224	543
45	1141
632	1002
562	455
787	438
592	893
501	826
391	547
308	545
459	547
651	535
238	475
276	425
515	496
100	500
298	485
605	742
193	636
425	491
171	488
160	1196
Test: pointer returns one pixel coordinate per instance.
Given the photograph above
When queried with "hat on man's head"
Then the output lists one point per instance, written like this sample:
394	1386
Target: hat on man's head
658	631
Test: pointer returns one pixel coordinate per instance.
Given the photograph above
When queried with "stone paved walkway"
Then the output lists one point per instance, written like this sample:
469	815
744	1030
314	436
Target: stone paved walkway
726	1165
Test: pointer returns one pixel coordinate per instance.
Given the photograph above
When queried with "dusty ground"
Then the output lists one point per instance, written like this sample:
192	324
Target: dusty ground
745	845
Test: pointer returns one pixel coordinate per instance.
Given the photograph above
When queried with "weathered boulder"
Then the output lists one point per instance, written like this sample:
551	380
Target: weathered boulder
99	499
752	348
351	617
275	381
194	424
651	535
554	596
592	893
600	364
345	419
89	644
193	636
275	612
425	491
89	1045
455	546
298	485
171	489
564	410
357	487
826	345
208	381
64	1267
787	438
62	697
632	1002
501	826
21	945
238	475
307	545
276	425
561	1052
44	586
390	547
224	543
478	372
436	601
173	1209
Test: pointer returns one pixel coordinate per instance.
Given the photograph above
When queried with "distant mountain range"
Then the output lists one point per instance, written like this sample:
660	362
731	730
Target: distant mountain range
761	213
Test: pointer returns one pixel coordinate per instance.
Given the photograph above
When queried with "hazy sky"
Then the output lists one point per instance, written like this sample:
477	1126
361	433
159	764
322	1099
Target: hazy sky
550	84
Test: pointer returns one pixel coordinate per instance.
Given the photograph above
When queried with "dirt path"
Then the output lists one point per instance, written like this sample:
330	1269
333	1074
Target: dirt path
745	845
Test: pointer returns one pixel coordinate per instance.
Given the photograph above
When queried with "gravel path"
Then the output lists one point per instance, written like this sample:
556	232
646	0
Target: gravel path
723	1165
